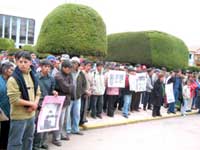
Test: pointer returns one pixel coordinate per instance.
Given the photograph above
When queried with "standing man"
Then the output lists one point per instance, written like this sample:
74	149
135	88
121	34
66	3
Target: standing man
86	96
47	86
79	83
64	86
98	91
24	93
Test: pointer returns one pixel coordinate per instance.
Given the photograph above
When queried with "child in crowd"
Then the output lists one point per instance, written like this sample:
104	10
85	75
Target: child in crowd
186	97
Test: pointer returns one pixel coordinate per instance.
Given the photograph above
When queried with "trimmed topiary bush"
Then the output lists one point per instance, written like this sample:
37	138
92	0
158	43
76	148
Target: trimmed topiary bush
6	44
74	29
149	47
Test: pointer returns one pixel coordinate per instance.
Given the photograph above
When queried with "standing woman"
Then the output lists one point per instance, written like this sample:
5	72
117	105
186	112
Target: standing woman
6	70
158	95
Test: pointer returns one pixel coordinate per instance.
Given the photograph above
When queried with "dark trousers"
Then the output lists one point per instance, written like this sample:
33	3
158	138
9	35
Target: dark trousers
119	102
105	102
84	106
135	101
156	111
96	105
4	131
147	100
111	104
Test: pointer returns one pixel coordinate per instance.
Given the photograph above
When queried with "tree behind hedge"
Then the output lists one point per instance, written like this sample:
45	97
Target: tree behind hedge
6	44
74	29
150	47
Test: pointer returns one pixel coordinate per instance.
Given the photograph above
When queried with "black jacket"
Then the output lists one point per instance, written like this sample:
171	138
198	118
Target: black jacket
157	93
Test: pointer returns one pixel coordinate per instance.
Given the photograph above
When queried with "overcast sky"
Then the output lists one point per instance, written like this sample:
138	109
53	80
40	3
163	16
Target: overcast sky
177	17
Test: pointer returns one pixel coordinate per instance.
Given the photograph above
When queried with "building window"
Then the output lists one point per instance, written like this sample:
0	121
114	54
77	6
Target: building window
14	28
7	26
1	25
31	30
22	31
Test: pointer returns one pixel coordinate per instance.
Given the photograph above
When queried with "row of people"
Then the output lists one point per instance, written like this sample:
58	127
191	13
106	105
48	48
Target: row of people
85	90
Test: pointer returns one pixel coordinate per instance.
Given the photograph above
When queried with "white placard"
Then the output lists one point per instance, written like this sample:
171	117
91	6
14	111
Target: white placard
116	78
49	115
138	82
169	93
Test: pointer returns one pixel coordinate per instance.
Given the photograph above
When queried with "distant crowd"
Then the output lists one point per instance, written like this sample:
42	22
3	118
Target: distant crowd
25	81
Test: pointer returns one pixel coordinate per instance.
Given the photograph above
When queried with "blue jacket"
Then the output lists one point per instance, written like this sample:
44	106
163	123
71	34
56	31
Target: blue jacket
4	99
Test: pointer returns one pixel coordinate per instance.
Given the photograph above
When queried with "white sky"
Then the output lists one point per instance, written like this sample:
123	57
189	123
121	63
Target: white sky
177	17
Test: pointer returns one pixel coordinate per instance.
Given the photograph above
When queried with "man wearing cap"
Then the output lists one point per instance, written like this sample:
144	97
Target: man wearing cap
64	86
79	83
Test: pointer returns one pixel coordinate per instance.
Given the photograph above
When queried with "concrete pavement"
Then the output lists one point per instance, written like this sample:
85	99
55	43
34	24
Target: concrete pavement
134	117
178	133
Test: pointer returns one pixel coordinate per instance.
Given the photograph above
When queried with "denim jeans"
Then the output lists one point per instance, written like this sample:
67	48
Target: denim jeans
127	103
73	116
21	134
172	105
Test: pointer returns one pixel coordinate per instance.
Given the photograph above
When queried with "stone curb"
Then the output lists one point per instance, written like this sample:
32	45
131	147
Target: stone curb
131	121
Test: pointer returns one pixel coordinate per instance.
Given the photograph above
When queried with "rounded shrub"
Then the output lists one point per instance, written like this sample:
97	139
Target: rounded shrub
6	44
74	29
149	47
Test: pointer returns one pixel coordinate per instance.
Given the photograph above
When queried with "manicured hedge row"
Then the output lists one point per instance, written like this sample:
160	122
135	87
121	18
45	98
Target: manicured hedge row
148	47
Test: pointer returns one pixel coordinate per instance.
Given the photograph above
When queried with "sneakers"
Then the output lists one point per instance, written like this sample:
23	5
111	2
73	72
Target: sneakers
57	143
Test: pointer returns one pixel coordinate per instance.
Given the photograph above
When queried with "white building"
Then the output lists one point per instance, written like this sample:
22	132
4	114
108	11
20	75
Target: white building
20	29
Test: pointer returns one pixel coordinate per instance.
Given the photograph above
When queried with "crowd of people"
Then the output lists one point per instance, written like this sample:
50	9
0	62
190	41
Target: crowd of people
25	81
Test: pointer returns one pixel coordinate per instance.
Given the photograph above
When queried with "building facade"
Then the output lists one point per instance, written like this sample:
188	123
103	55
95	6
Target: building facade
21	30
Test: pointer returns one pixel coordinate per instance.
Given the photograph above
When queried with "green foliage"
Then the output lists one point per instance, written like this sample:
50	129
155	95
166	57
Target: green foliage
167	50
129	48
74	29
12	51
30	48
193	68
149	47
6	44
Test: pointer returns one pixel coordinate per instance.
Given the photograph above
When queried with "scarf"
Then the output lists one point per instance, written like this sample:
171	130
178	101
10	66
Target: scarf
17	75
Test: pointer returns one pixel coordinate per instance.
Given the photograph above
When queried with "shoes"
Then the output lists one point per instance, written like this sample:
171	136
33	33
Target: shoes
45	146
57	143
65	138
159	115
188	110
99	116
78	133
153	115
94	117
169	112
125	116
82	122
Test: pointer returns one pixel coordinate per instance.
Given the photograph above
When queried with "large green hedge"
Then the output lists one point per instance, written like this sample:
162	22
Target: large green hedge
74	29
6	44
148	47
